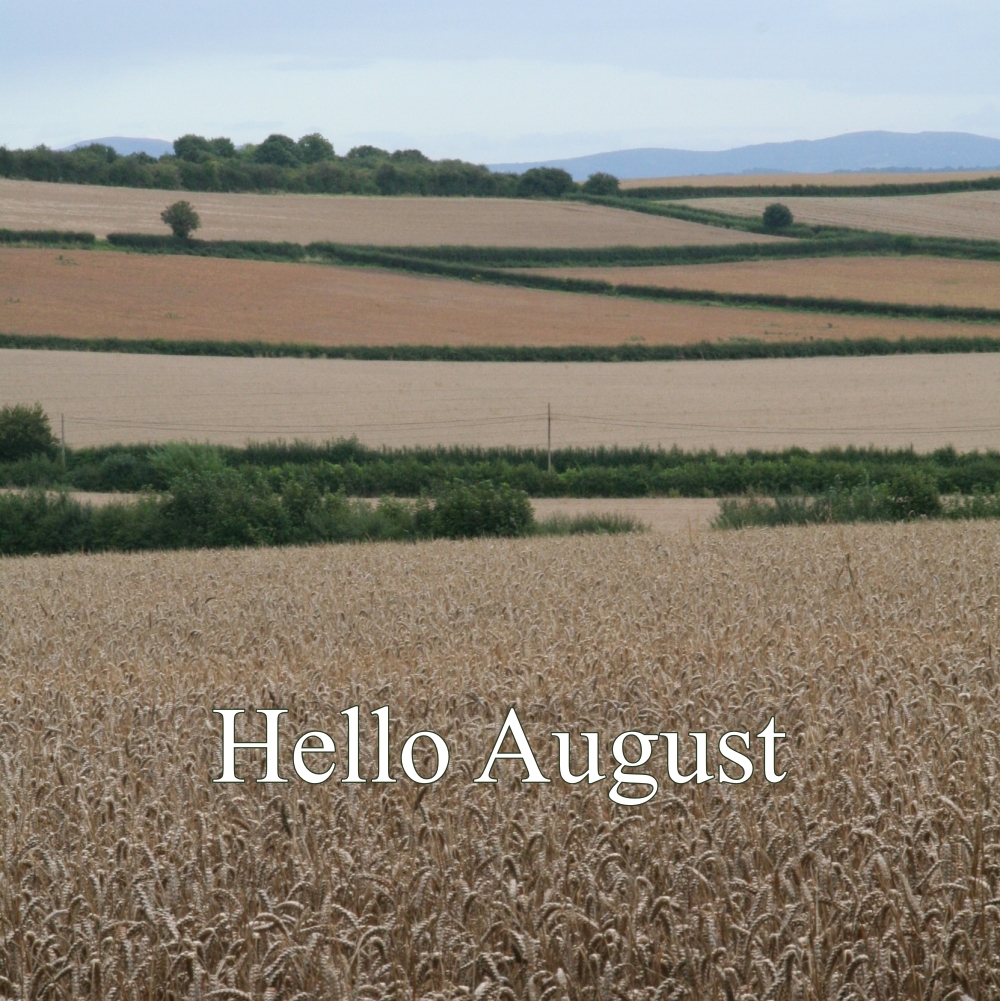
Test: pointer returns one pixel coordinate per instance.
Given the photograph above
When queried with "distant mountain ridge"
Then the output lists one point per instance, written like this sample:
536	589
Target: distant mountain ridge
853	151
126	145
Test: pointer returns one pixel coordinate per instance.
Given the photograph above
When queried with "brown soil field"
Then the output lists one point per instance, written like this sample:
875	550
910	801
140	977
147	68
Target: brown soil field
924	400
833	180
968	214
915	280
861	864
403	221
109	294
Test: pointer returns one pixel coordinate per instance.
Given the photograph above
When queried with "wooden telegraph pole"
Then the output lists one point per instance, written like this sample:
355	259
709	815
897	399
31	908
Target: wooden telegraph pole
550	437
62	439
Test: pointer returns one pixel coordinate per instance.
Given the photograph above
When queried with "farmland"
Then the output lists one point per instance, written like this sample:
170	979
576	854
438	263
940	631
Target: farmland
968	214
88	294
841	179
918	280
924	400
137	870
375	220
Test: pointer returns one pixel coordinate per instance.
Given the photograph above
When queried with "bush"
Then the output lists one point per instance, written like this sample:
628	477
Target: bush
181	218
912	493
777	216
462	511
544	182
25	432
601	184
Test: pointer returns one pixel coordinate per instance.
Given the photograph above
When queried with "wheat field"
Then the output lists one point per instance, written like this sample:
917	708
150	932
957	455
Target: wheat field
925	281
841	179
967	214
397	221
928	401
870	871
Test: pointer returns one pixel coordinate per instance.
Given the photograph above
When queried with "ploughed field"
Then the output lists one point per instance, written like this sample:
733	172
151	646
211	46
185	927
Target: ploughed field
925	281
928	401
869	870
400	221
841	179
90	294
967	214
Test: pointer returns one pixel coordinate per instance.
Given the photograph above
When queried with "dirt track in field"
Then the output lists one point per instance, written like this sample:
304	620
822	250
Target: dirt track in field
487	222
971	215
924	400
833	180
915	280
109	294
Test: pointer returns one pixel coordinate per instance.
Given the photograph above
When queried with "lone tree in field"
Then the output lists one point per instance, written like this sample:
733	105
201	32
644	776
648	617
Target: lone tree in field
181	218
777	216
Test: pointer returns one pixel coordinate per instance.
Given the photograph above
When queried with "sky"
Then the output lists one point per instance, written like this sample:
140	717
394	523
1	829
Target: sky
497	82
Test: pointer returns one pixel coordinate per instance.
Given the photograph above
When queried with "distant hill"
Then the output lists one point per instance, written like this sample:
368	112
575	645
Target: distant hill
870	151
124	145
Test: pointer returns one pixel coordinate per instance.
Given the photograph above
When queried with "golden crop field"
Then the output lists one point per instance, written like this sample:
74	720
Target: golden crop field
398	221
95	294
968	214
841	179
928	401
869	871
930	281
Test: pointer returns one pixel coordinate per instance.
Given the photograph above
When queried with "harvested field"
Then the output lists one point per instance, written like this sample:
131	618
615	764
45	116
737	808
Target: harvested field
865	872
924	400
968	214
926	281
840	179
109	294
402	221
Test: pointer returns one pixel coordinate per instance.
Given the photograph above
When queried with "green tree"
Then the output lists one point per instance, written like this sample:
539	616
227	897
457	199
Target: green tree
222	147
777	216
601	184
25	431
279	150
194	149
181	218
544	182
313	148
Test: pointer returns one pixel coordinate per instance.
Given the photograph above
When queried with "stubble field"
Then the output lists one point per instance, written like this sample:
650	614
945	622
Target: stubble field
402	221
925	400
870	871
108	294
968	214
928	281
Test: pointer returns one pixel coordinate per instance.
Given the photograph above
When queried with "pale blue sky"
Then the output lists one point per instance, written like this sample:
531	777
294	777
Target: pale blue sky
495	82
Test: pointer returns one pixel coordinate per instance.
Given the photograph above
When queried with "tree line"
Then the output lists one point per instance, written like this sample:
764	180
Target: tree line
280	163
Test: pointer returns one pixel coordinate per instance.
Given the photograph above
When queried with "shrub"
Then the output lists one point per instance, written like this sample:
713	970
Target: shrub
181	218
462	511
777	216
912	493
25	432
601	184
544	182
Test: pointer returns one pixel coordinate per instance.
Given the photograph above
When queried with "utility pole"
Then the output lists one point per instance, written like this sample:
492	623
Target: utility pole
62	440
550	437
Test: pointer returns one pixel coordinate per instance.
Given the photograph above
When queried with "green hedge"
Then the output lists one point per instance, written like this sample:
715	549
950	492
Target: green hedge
57	237
360	471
